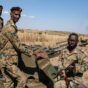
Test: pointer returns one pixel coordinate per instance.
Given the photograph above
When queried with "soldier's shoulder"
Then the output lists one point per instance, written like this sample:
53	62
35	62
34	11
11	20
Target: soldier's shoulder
8	28
79	49
82	51
9	23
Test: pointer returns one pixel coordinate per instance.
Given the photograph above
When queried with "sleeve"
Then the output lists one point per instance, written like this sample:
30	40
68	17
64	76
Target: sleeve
84	61
60	61
85	64
14	40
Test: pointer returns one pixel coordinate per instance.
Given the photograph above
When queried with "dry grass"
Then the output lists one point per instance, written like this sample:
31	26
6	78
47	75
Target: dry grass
46	38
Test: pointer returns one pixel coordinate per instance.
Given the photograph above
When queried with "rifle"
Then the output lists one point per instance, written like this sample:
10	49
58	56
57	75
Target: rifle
70	71
51	52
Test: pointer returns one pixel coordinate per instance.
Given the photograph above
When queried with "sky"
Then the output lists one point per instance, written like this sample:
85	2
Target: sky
56	15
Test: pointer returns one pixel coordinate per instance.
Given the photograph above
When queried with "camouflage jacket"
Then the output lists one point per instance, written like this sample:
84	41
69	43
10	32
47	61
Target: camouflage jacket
66	58
9	40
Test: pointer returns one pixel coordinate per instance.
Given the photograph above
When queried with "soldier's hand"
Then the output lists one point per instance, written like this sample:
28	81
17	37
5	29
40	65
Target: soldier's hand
40	55
62	74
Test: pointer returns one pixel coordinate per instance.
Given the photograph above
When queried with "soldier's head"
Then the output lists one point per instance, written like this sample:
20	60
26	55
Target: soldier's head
72	40
1	8
15	13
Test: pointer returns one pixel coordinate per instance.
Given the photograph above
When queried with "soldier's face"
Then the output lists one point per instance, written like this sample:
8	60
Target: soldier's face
72	41
15	15
0	11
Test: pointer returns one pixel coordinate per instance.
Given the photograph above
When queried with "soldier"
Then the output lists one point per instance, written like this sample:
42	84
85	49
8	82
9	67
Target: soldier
1	26
10	33
73	62
1	19
8	54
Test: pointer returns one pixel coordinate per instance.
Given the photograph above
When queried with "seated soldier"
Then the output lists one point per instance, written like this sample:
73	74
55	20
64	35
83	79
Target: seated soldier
73	63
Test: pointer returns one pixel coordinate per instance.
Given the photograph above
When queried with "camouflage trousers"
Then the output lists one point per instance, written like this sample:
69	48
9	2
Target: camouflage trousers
60	84
9	66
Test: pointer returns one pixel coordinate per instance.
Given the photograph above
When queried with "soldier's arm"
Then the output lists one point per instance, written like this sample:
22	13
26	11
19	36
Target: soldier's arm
85	64
13	38
61	61
18	46
84	61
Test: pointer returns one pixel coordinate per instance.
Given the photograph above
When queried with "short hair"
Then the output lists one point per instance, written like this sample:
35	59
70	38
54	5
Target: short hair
1	6
16	8
74	34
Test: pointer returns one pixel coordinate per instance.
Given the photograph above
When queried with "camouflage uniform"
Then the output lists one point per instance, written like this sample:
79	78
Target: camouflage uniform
1	23
8	55
44	68
65	59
